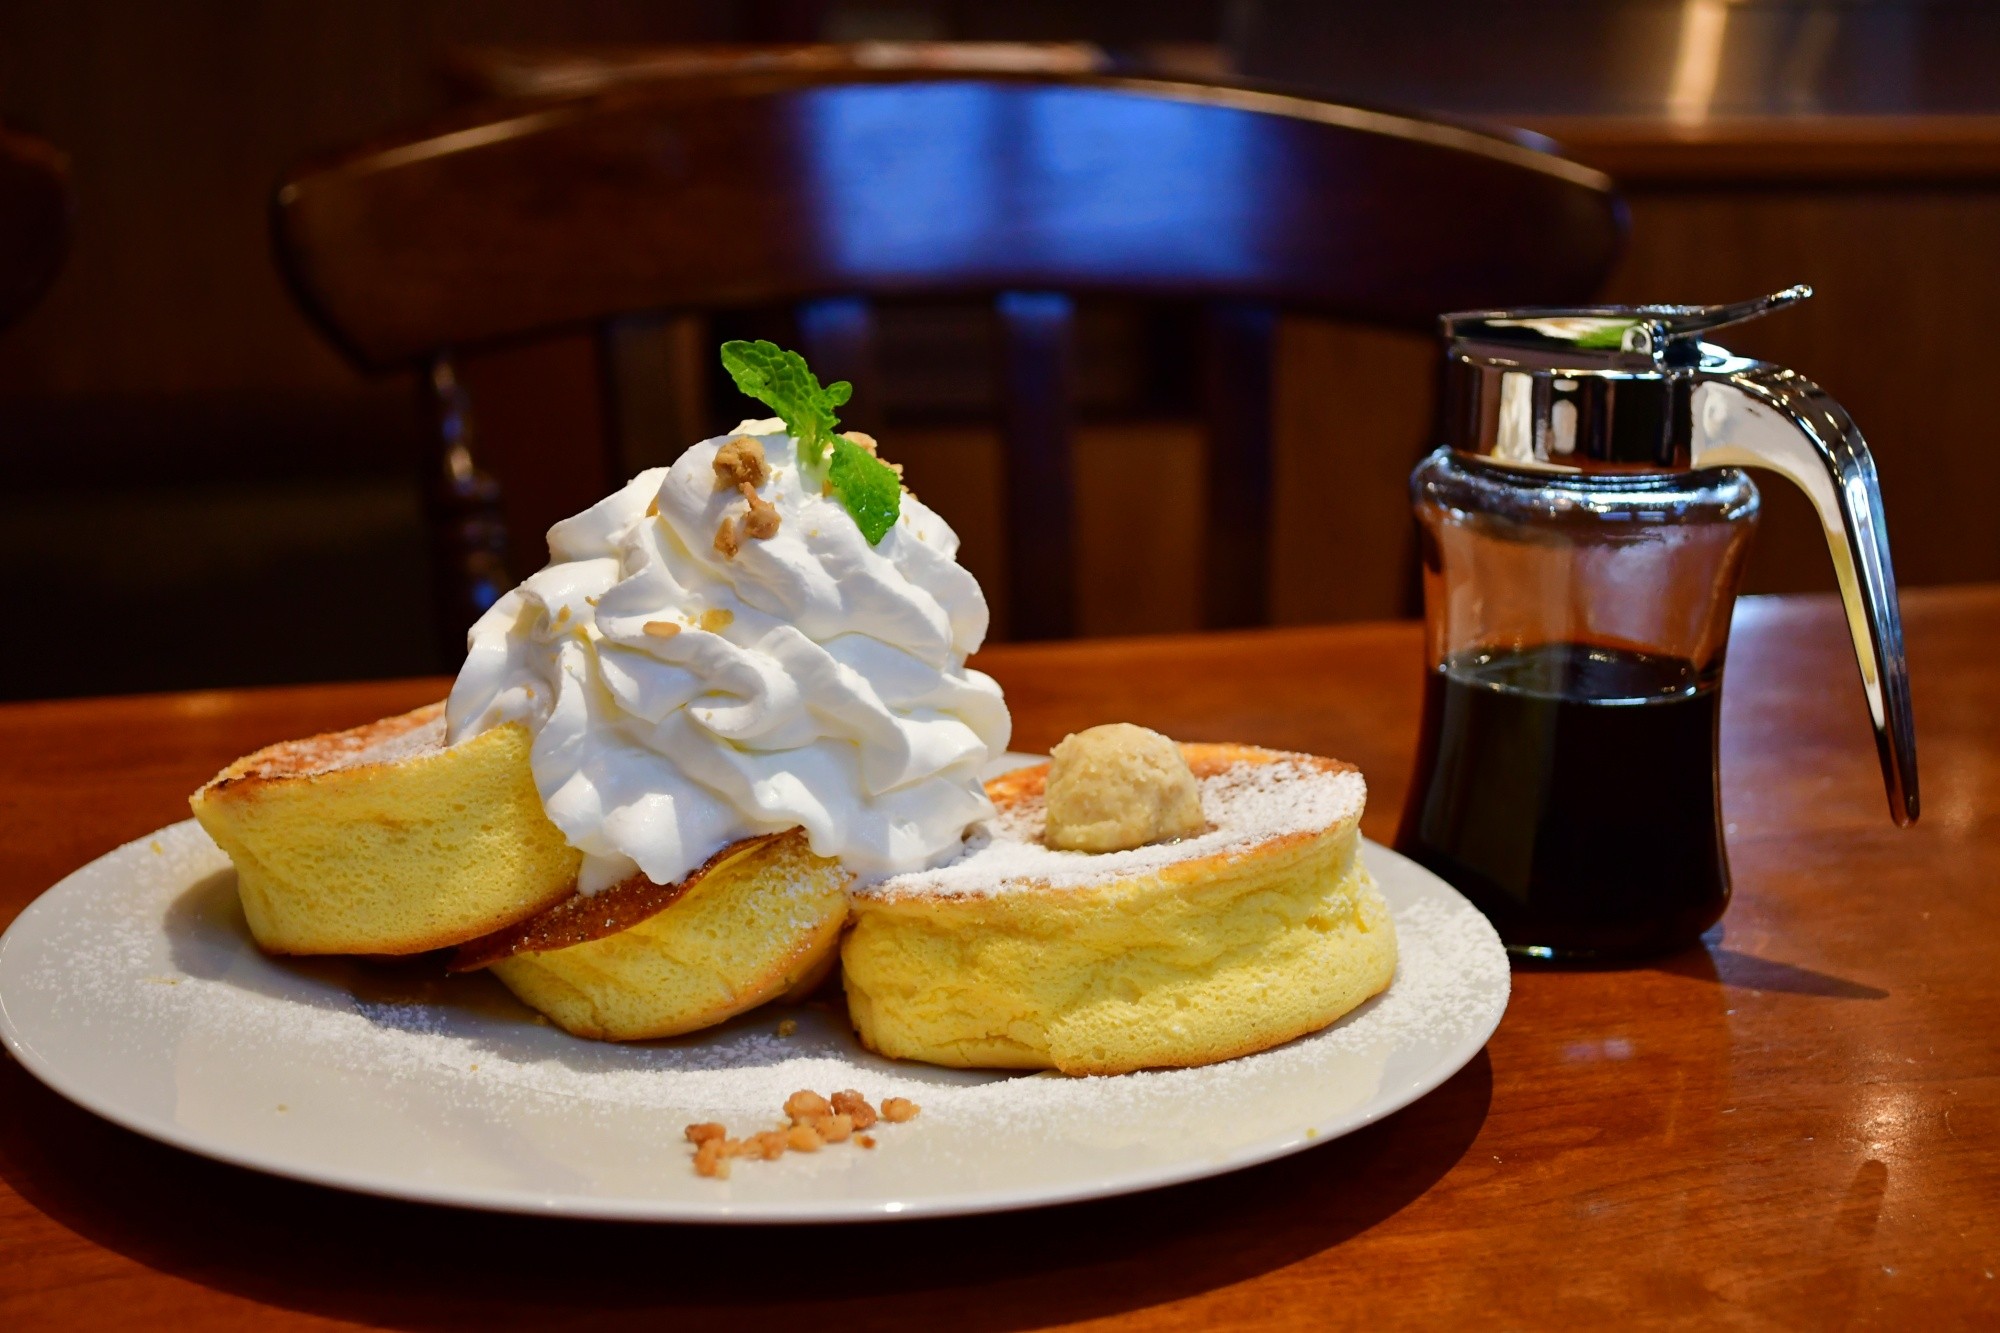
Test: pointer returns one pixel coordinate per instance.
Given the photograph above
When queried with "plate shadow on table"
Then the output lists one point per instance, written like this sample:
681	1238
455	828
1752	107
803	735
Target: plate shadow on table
415	1266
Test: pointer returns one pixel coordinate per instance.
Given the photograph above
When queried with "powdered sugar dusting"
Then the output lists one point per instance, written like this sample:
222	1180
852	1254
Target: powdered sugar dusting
404	1022
1246	803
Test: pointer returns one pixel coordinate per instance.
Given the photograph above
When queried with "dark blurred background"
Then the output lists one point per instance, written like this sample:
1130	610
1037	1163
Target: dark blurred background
199	492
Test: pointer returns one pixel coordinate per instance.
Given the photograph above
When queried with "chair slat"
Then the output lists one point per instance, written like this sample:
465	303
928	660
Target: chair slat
1238	339
462	508
1035	380
37	216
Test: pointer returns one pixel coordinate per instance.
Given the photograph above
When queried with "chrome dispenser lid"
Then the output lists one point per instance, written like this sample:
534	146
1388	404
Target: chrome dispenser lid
1633	389
1590	389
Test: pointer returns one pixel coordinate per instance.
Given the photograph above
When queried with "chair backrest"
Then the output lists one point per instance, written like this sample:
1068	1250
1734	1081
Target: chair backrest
37	207
818	187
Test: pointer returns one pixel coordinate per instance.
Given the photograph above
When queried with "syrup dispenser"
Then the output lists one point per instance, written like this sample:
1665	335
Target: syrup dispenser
1583	532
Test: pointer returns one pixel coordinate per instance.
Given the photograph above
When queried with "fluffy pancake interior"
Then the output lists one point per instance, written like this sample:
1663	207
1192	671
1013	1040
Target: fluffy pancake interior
753	928
383	841
1194	961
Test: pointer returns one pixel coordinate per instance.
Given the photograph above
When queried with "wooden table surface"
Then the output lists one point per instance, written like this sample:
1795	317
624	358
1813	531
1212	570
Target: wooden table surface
1795	1126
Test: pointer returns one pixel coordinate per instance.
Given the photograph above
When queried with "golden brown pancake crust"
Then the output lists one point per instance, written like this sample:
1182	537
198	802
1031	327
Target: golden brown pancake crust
324	753
579	919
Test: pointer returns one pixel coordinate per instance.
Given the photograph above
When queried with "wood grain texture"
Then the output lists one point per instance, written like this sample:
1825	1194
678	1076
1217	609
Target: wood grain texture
1901	279
1796	1126
1768	150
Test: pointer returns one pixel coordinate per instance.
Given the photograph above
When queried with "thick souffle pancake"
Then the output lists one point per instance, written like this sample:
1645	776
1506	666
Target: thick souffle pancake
1263	928
759	920
380	840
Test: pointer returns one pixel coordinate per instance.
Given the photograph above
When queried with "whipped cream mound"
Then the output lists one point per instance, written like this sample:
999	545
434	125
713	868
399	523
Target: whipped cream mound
680	699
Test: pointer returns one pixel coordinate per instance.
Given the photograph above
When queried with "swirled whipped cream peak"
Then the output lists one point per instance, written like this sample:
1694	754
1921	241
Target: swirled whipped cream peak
718	650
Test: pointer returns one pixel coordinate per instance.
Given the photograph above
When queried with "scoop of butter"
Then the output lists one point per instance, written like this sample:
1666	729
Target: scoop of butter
1119	786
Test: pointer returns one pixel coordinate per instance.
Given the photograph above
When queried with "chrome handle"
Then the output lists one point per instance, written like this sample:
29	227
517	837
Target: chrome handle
1752	414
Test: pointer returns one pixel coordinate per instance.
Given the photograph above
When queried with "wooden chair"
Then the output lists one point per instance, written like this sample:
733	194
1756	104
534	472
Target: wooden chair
37	209
823	189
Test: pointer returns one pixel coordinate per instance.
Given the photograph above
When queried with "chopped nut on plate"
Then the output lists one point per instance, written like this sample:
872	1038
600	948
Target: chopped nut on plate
711	1159
816	1122
804	1105
854	1104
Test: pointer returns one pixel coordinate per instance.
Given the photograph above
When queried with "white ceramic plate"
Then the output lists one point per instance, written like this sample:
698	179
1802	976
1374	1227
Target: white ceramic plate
133	989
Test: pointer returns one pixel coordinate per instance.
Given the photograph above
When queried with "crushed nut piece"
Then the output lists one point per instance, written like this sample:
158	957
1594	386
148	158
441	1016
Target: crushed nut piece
852	1103
710	1160
717	619
727	542
741	462
787	1026
816	1122
661	629
762	520
860	437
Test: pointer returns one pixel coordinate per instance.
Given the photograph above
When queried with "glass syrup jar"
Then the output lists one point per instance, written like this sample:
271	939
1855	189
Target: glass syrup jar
1583	534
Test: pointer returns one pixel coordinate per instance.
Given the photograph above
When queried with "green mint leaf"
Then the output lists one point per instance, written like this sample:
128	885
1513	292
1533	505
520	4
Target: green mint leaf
869	487
1609	337
782	382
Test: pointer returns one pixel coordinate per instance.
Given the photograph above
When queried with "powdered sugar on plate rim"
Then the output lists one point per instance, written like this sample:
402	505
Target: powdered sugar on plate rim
132	988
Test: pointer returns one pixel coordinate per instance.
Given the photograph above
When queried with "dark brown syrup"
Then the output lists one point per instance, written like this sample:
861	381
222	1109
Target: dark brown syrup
1569	790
